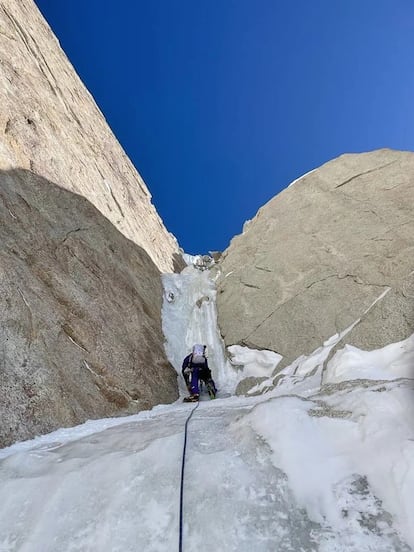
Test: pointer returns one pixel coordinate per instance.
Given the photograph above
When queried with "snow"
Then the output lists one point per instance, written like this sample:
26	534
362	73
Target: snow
254	363
356	426
390	362
323	461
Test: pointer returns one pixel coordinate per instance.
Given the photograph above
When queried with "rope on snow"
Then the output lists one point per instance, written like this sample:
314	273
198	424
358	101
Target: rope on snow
180	544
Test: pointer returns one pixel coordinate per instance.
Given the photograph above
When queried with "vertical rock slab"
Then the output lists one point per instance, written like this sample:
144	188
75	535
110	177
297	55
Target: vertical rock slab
81	249
80	313
317	256
50	125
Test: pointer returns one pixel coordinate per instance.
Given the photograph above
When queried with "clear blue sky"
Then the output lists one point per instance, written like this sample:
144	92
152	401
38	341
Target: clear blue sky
220	104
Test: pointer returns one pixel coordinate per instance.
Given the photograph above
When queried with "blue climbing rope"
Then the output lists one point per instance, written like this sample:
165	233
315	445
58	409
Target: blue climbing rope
180	544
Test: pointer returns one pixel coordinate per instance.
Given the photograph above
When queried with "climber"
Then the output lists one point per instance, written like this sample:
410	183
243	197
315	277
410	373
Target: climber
195	368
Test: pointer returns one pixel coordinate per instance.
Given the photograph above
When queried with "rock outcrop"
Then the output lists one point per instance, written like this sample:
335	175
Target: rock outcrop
50	125
317	256
81	249
80	321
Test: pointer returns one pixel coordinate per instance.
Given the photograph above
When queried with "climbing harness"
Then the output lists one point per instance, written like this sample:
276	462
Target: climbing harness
180	545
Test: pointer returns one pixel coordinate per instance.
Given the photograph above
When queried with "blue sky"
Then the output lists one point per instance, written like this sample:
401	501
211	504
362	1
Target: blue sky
220	104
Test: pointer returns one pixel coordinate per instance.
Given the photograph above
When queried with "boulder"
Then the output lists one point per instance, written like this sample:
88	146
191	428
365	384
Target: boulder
316	258
80	313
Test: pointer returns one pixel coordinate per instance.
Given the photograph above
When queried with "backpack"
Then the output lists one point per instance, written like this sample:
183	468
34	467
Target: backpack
198	356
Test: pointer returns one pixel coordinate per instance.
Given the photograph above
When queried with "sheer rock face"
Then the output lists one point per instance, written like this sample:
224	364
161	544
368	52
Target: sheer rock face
80	288
50	125
80	323
316	257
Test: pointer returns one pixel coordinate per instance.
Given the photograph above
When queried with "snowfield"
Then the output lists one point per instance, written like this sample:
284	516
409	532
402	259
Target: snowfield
323	462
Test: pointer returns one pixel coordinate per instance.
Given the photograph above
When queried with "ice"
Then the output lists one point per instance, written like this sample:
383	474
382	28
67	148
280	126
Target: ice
190	318
323	462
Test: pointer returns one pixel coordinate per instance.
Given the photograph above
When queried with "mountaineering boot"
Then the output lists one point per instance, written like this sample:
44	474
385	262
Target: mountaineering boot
211	389
191	398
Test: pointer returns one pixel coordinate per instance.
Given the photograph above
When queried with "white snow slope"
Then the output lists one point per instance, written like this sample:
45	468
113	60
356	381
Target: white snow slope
323	462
